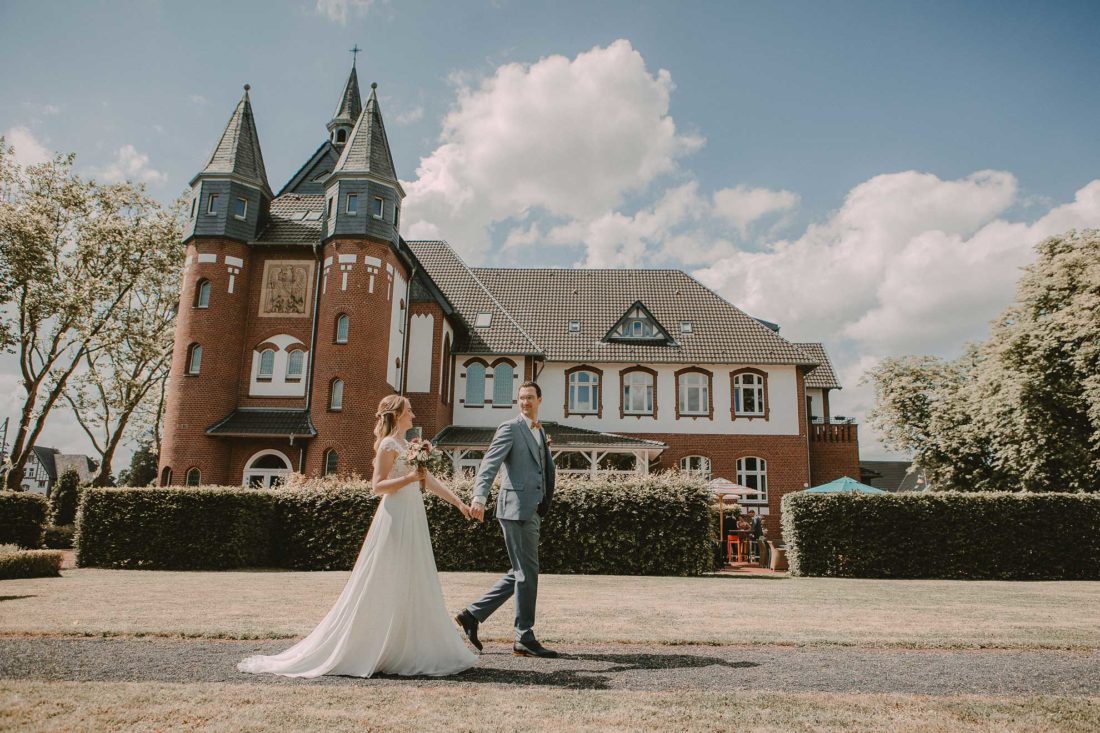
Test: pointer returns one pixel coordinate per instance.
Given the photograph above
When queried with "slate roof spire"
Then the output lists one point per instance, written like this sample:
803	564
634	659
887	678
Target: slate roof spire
368	149
237	153
350	105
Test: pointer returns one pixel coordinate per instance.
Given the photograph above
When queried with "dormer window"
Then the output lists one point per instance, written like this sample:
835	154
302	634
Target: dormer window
352	207
484	320
574	327
638	324
212	205
240	208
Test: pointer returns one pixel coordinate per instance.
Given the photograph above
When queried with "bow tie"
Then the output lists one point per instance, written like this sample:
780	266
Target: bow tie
536	425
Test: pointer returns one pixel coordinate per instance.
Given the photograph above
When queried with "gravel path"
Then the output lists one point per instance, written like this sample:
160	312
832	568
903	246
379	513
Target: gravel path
938	672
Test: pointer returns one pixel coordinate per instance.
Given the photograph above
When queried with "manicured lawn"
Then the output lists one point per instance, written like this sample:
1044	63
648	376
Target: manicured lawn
36	706
580	609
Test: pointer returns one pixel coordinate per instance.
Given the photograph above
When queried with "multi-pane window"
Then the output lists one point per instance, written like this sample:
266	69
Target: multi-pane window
336	395
584	392
342	322
748	394
475	384
694	393
696	465
753	473
295	362
202	294
194	359
332	460
193	478
638	393
502	384
267	365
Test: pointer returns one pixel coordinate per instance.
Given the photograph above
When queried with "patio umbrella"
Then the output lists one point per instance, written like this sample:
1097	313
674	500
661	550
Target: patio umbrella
844	484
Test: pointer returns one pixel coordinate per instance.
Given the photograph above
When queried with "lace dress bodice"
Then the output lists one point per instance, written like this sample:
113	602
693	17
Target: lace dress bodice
400	466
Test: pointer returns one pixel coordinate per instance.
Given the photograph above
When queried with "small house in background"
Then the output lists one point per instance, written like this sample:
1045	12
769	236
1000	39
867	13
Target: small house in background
892	475
47	464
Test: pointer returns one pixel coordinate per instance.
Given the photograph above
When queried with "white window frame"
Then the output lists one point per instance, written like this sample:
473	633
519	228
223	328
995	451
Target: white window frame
194	359
244	215
269	374
212	204
202	296
336	395
381	204
687	384
576	385
300	355
630	382
757	476
325	460
348	209
740	388
574	327
697	465
187	477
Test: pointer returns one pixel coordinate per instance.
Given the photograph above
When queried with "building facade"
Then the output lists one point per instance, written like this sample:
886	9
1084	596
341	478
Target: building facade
300	310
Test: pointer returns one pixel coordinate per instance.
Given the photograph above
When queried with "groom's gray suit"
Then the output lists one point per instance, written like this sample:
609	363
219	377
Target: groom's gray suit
526	489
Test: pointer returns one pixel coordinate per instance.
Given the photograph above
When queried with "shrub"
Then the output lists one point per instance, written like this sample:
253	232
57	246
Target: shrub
651	525
64	498
59	538
22	518
175	528
30	564
1007	536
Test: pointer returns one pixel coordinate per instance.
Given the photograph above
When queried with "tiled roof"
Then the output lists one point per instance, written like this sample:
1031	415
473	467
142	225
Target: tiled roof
295	219
822	376
561	436
469	298
45	456
368	149
544	301
246	421
238	150
892	475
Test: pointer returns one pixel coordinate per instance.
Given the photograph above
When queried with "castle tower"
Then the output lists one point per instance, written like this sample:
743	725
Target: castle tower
230	203
347	112
365	285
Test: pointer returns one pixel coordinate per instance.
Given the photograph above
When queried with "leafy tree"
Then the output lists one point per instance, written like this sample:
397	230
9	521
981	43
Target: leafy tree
143	467
72	254
1020	411
64	498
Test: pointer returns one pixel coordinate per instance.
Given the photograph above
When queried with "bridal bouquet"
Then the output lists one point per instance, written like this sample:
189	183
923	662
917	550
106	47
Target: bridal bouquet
422	454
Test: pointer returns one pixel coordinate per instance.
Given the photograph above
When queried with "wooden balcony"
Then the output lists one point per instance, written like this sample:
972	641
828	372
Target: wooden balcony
847	432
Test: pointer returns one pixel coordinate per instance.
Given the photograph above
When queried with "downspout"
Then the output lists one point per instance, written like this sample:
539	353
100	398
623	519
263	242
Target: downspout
312	352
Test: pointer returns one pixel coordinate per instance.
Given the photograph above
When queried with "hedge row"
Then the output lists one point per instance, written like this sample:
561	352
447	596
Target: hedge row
1007	536
655	525
30	564
22	518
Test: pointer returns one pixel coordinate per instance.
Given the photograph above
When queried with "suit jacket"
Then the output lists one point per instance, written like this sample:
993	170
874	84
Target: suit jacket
527	484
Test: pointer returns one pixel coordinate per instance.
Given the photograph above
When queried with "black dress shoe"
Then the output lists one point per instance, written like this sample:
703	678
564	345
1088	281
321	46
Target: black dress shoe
532	649
466	620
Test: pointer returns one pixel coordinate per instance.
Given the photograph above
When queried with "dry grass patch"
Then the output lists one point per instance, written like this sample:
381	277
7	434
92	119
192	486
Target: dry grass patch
75	706
583	609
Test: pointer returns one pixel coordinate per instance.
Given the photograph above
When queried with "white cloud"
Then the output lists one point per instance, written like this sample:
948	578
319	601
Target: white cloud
198	99
338	10
28	150
130	165
410	116
569	138
741	206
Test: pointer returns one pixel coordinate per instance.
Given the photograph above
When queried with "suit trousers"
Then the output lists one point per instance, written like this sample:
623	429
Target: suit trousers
521	538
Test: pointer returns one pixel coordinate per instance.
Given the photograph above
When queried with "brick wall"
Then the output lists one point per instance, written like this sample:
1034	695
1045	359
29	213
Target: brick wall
829	461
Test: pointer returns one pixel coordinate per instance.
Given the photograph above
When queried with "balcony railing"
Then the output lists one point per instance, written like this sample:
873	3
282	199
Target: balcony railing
834	432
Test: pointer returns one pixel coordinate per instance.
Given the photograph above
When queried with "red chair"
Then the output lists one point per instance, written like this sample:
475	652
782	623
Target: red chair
732	540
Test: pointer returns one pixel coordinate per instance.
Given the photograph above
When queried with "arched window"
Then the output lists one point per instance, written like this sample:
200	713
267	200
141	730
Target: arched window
475	384
342	322
267	365
750	393
194	359
202	294
693	393
266	469
336	395
332	460
696	465
166	476
194	477
341	136
639	391
294	365
583	391
753	472
502	384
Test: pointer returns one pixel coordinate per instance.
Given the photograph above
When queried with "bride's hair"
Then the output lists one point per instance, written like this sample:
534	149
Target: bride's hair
389	409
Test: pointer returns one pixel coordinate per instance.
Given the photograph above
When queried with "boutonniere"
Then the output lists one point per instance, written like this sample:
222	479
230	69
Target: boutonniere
549	440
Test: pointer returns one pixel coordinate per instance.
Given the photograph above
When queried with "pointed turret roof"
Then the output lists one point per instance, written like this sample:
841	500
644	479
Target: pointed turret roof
368	150
238	152
351	104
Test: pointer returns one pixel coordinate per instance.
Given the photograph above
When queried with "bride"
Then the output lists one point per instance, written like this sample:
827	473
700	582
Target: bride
390	616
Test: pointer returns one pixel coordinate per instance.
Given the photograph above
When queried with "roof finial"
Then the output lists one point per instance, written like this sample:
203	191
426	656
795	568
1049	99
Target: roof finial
374	85
354	51
247	87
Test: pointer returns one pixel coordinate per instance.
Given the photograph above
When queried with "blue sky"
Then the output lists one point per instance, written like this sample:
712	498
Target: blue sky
867	174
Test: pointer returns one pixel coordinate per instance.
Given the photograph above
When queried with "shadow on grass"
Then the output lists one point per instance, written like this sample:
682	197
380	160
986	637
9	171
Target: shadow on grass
15	598
587	679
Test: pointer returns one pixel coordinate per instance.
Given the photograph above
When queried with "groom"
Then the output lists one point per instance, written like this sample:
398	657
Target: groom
526	489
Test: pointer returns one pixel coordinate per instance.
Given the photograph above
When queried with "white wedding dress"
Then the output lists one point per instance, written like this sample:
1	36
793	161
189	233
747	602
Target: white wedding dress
390	618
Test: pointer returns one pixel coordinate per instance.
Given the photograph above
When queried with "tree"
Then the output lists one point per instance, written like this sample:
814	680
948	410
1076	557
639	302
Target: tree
1020	411
64	499
71	254
143	467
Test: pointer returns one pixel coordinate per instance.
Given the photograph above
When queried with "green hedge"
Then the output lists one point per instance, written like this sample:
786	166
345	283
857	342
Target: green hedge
646	526
30	564
59	538
174	528
1007	536
22	518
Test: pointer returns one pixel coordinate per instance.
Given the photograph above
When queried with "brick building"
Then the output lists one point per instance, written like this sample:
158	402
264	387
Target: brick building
300	310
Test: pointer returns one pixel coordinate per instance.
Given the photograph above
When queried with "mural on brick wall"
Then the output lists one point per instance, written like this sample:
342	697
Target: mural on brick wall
287	286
